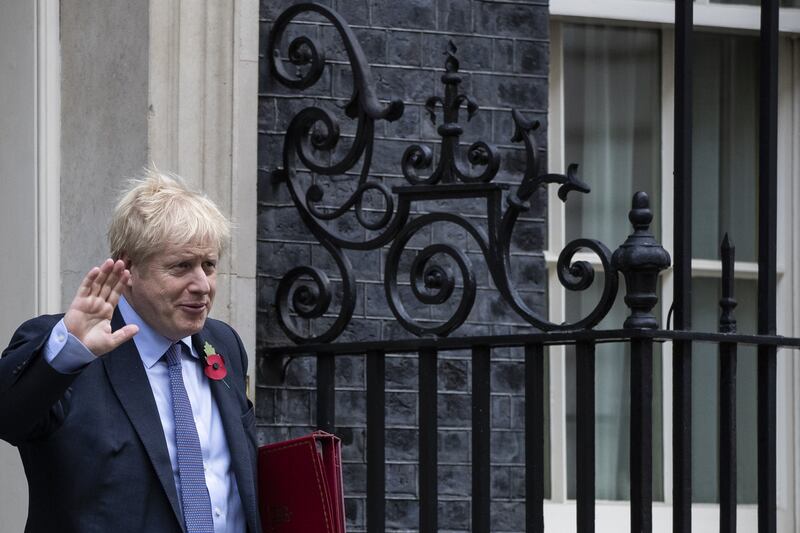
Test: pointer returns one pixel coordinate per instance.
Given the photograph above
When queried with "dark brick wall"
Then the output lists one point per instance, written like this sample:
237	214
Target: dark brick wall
503	51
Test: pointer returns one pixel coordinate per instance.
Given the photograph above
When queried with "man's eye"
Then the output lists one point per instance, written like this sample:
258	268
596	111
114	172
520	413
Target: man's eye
210	265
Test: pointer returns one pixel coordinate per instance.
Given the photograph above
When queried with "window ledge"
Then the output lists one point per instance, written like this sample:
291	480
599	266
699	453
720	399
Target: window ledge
740	17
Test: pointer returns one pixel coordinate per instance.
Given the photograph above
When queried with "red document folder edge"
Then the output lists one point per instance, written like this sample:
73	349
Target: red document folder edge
300	485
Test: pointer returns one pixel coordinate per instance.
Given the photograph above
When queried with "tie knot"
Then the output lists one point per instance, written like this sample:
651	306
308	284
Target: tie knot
173	355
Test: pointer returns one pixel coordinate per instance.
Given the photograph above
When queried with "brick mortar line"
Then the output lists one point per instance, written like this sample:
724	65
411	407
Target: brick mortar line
441	70
523	290
450	429
265	205
384	174
512	147
476	251
472	218
376	318
407	248
444	355
391	176
449	33
512	186
403	495
493	288
505	464
380	210
536	220
327	98
443	392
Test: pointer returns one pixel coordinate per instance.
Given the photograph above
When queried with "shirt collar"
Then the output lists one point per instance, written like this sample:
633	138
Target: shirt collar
150	344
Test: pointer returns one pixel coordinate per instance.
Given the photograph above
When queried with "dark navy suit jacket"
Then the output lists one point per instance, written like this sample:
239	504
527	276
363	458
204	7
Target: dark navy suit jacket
92	444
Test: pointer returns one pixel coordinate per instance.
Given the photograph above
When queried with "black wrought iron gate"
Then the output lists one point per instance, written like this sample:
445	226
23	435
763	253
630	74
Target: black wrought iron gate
442	272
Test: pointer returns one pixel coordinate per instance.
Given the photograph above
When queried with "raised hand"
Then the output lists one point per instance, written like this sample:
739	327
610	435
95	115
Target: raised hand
89	315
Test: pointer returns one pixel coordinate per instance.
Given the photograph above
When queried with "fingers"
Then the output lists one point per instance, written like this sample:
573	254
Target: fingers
119	287
112	281
106	270
106	281
100	340
85	288
123	335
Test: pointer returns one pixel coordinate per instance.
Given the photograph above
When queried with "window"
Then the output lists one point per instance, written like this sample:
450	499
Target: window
611	111
783	3
725	170
612	127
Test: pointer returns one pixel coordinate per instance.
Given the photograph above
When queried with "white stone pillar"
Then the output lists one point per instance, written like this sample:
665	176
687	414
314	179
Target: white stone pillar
203	104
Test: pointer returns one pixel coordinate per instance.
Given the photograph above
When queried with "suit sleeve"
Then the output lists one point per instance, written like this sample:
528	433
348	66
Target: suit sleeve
32	392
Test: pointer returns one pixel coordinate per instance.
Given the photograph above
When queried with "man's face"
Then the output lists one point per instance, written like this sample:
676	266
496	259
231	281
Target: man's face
173	290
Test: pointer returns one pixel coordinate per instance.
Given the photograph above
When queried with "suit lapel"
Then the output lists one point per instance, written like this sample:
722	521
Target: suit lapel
128	378
231	413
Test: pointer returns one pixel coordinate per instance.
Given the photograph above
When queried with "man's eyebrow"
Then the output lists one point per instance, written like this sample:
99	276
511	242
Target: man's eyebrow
189	255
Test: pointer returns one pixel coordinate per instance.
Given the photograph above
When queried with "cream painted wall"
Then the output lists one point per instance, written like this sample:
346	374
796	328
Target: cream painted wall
202	124
18	209
104	62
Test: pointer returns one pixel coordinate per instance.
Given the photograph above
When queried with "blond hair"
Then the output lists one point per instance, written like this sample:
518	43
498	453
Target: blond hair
159	209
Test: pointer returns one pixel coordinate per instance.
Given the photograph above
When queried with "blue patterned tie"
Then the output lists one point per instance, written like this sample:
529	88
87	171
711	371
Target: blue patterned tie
194	492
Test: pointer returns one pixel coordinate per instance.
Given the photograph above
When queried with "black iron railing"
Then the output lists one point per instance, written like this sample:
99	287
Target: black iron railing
641	344
305	293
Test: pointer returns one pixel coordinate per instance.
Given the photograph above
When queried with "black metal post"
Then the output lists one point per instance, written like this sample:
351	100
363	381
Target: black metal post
534	438
326	392
450	130
481	440
727	396
682	287
727	437
641	436
376	455
585	474
640	258
767	264
428	441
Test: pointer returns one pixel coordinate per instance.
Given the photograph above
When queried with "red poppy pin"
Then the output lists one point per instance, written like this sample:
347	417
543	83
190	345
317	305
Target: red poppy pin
215	364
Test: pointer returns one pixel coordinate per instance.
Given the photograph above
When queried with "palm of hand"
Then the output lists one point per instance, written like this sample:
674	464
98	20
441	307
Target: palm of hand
89	315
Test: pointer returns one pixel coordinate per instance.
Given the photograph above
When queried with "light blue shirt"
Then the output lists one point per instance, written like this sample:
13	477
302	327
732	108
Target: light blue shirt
67	354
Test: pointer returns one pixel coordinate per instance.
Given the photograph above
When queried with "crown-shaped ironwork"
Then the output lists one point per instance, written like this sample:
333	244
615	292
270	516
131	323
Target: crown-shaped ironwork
306	292
449	170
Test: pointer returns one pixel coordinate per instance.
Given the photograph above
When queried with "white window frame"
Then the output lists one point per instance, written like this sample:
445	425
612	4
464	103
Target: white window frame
560	512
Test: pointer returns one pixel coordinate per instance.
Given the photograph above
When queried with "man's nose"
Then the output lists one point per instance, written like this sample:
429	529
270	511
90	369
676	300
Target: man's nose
200	282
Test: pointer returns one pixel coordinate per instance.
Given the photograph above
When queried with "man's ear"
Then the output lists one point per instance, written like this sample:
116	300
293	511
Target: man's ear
128	264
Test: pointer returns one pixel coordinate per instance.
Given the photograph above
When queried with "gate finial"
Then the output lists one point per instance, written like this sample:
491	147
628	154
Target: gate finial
640	258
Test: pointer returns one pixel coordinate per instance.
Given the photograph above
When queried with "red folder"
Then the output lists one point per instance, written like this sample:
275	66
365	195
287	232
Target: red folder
300	485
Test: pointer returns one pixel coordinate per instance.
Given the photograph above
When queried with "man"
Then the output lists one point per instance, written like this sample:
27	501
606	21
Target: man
129	411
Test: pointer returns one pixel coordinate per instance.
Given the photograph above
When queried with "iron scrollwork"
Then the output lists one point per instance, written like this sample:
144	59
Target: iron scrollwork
306	292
